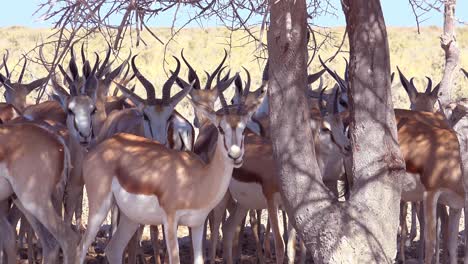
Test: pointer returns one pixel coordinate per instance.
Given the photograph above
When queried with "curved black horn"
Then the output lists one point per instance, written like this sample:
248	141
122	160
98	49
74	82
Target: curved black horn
222	99
100	73
65	74
192	75
20	78
166	90
150	92
429	85
247	83
96	65
342	84
408	85
72	64
83	55
213	75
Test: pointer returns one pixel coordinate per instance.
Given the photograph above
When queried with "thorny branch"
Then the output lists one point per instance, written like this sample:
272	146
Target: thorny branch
116	20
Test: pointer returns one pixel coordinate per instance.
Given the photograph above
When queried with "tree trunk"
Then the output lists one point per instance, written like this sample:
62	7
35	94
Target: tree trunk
364	229
448	42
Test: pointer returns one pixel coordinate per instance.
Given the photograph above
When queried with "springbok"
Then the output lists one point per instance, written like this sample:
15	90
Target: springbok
133	173
426	179
32	187
159	115
80	106
420	101
255	185
16	92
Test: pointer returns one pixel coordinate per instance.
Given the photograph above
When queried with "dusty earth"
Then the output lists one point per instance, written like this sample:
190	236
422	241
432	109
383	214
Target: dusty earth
96	256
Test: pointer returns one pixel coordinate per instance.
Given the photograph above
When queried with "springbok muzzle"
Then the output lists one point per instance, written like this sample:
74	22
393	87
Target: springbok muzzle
235	153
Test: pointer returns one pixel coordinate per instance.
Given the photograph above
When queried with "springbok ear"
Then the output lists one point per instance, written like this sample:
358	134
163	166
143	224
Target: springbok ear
36	84
138	101
5	81
205	111
409	87
315	76
60	95
435	91
180	95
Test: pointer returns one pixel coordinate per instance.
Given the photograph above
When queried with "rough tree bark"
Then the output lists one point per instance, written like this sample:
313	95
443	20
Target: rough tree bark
364	229
448	42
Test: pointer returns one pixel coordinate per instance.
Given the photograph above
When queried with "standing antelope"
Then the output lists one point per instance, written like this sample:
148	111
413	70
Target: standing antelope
21	146
419	102
80	106
133	172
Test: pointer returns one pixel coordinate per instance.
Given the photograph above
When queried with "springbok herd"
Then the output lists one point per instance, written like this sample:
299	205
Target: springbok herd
139	157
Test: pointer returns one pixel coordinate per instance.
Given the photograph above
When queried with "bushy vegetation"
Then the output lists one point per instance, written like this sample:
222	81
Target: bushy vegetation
417	55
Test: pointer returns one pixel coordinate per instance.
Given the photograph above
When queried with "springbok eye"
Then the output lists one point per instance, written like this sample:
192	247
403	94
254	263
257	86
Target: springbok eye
220	130
70	111
94	111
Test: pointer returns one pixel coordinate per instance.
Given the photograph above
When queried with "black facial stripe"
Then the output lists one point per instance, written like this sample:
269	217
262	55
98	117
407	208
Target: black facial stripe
150	128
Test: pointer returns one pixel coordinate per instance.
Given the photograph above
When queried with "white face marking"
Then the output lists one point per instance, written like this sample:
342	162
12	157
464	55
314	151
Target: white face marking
235	151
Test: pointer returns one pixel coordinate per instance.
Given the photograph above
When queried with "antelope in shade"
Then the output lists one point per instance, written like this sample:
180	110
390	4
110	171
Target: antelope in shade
80	106
208	95
255	186
151	118
159	116
16	92
434	174
206	138
420	101
32	187
125	176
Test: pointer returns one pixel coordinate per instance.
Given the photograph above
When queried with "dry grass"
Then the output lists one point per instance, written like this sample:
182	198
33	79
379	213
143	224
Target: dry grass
417	55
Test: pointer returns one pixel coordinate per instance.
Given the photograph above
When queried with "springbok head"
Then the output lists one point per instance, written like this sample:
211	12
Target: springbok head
420	101
80	103
208	95
156	113
230	122
332	124
243	93
16	93
106	75
343	101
